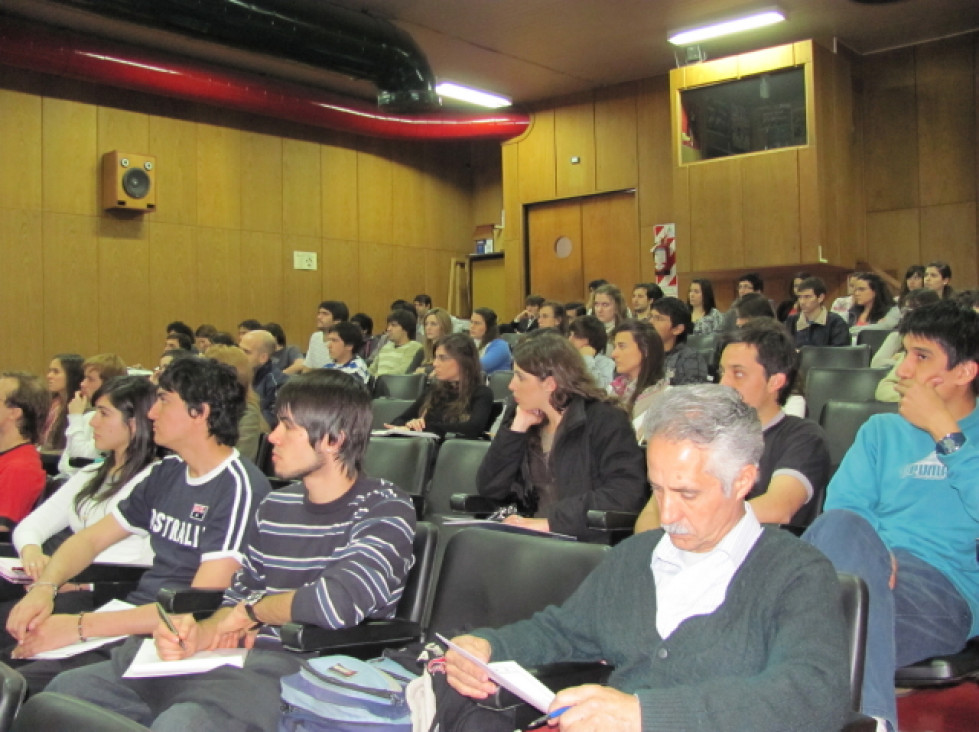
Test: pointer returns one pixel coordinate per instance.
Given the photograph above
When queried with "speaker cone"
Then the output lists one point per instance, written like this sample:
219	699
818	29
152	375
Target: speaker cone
136	183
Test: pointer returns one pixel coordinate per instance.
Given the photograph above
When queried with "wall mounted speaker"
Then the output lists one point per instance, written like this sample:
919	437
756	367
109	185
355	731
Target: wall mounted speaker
128	182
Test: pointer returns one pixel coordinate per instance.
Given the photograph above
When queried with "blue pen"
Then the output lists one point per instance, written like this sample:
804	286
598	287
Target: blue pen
542	720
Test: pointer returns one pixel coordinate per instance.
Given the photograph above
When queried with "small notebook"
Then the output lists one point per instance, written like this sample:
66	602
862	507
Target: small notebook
90	645
402	432
12	570
148	664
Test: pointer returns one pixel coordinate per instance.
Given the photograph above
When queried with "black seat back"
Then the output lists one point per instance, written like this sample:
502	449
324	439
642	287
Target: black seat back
855	598
491	578
385	411
498	383
841	421
400	386
402	460
455	472
419	583
52	711
841	357
843	384
872	337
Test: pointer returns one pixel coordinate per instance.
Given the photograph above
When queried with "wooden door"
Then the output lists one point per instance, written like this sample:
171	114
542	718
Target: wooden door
553	276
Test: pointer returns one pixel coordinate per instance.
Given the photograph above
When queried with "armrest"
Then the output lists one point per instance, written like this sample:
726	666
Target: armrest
96	573
611	520
364	640
418	501
473	504
189	599
857	722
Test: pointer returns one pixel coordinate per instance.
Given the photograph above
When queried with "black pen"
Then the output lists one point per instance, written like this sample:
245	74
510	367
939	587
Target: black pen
169	623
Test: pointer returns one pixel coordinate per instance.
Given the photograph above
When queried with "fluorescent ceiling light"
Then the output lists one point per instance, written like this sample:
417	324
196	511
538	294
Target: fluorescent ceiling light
759	19
473	96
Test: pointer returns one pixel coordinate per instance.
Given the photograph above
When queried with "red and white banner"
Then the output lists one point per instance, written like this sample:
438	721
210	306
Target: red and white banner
664	257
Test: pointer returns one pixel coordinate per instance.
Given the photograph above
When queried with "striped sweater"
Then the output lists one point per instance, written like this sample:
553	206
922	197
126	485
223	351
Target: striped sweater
347	560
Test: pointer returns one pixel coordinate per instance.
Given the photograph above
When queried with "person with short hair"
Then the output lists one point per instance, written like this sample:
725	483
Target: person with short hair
563	448
587	334
288	359
643	295
203	337
749	306
331	549
79	440
422	304
179	326
24	402
901	510
670	316
252	424
246	325
401	354
345	341
750	282
891	351
553	315
703	308
814	325
711	623
328	313
178	340
259	345
526	319
195	505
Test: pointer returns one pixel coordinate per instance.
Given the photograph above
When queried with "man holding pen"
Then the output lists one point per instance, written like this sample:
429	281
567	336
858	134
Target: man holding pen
711	622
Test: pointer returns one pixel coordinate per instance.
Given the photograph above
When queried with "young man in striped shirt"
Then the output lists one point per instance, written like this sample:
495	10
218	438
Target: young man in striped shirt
332	549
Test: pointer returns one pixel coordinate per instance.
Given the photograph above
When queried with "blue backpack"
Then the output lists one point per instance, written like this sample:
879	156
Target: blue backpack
345	694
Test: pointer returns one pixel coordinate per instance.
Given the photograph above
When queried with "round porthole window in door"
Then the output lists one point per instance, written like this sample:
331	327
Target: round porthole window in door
562	247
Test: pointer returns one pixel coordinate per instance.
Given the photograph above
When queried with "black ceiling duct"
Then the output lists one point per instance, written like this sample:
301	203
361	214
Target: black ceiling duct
317	33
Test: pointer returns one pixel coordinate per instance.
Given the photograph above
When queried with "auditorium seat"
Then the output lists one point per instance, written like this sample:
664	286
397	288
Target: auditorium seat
843	384
841	421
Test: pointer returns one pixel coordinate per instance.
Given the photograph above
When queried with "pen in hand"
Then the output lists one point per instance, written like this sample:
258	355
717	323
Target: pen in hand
169	623
543	719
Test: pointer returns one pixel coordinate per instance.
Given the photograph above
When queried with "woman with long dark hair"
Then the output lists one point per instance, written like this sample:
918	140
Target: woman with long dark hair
914	279
456	400
937	277
703	308
564	448
873	304
65	374
639	362
494	353
124	433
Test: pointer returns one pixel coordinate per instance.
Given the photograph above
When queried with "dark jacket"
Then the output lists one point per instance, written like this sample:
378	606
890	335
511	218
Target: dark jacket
268	378
595	459
480	411
835	333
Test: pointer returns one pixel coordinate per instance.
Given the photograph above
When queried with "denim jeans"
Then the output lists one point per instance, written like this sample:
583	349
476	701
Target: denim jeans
924	615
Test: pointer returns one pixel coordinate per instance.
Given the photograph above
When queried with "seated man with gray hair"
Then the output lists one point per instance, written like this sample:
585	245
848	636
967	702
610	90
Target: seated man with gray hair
710	622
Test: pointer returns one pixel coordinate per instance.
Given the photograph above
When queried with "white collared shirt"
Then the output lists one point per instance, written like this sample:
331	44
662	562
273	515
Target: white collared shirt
693	583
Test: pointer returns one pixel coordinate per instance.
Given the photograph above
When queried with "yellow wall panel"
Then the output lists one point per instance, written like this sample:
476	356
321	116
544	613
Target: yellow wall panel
717	211
262	183
946	140
893	239
891	149
302	290
771	208
70	163
218	258
948	233
655	194
616	137
120	129
174	285
261	276
767	59
341	273
888	70
408	198
536	156
218	176
450	224
709	72
71	267
487	182
338	168
20	150
374	193
574	137
22	291
381	266
174	143
512	222
302	199
124	291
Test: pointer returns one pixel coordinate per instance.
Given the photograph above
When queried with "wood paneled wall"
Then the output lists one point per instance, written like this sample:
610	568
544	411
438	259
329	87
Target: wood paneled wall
920	131
236	197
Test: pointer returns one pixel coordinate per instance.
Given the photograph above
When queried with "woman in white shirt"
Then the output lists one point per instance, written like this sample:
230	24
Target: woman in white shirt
121	430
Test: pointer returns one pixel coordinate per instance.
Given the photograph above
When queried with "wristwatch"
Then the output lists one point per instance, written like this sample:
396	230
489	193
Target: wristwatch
250	602
950	443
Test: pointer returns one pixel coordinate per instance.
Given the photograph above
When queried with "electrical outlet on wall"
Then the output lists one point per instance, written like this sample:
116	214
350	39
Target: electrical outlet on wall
304	260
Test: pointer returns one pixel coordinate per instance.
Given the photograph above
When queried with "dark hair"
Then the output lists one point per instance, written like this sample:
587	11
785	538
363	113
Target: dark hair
250	324
964	298
800	275
222	338
401	304
955	329
492	329
922	296
679	313
815	284
185	341
575	309
206	330
708	302
179	326
946	272
653	291
775	348
883	300
277	332
332	404
595	284
32	398
350	334
544	353
448	399
200	381
405	318
651	372
336	308
757	283
559	314
176	353
534	300
753	305
424	300
591	329
73	366
132	396
365	321
914	269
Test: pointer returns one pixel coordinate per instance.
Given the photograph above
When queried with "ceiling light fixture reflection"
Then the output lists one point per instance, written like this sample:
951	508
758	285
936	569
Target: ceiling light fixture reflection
758	19
473	96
